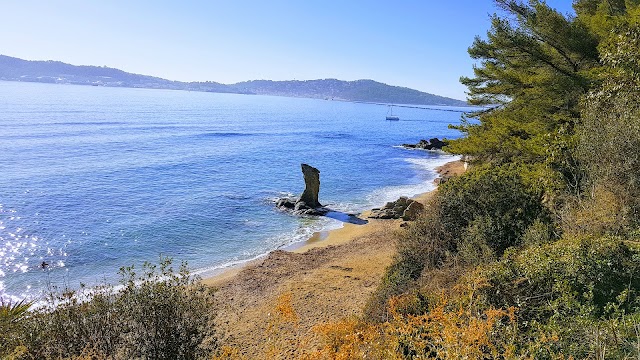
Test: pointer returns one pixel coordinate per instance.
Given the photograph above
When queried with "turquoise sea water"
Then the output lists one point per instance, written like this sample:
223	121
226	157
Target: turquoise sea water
93	178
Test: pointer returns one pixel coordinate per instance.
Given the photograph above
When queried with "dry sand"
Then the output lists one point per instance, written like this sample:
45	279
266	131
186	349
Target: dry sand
328	278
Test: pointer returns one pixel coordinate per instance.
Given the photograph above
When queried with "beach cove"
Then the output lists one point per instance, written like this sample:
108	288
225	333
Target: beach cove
327	278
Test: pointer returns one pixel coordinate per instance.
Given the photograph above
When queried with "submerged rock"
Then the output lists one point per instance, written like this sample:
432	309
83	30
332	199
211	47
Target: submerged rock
286	203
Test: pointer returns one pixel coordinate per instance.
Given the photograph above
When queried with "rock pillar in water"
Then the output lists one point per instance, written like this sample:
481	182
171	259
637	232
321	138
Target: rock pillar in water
311	186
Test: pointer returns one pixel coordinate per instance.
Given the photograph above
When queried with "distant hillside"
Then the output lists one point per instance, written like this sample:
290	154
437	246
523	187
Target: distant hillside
359	90
14	69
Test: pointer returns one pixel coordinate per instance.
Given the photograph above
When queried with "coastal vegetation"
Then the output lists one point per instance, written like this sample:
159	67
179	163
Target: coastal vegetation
159	313
534	252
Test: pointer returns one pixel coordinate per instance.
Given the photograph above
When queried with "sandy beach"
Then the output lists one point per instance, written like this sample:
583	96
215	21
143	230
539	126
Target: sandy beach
328	278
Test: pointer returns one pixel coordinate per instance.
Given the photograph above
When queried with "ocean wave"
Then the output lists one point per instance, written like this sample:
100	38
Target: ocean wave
76	123
333	135
433	162
431	151
425	169
306	229
223	134
273	197
236	196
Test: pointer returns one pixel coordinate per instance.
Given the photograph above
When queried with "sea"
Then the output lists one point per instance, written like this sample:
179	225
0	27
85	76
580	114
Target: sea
93	179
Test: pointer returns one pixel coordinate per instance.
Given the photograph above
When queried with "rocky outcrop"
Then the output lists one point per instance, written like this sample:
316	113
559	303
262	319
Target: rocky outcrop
308	203
309	197
286	203
404	208
431	144
412	211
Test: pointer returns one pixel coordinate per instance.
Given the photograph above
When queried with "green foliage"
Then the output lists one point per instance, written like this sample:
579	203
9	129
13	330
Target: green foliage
472	220
598	212
12	313
584	292
603	16
474	245
159	314
576	298
547	279
539	232
536	64
609	144
529	53
490	205
169	315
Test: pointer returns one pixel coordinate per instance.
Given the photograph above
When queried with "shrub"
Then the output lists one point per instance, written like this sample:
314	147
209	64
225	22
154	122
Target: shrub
169	316
577	297
583	292
424	243
474	248
538	233
610	129
545	278
599	212
12	313
472	220
452	328
159	314
492	205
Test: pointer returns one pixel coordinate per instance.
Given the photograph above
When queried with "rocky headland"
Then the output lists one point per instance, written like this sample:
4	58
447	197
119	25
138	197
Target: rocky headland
431	144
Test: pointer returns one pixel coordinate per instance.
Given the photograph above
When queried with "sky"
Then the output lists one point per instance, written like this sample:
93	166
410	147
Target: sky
420	44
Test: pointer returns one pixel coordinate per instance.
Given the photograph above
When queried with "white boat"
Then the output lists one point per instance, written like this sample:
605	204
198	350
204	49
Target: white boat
390	115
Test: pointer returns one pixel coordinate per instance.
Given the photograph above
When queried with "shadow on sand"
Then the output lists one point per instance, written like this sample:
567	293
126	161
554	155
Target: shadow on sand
347	218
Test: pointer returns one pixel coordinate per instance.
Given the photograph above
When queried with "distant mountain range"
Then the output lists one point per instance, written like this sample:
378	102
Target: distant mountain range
14	69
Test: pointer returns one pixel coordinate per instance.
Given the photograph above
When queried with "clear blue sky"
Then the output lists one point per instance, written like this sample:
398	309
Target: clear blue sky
419	44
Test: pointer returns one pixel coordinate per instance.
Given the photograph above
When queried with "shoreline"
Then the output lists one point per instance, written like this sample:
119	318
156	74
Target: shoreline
277	302
331	237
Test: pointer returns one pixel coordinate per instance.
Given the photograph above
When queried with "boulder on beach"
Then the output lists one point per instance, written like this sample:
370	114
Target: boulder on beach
404	208
412	211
